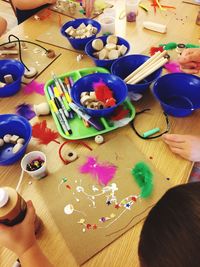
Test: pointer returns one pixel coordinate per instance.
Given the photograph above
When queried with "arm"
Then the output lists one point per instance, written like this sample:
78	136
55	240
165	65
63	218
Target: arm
34	257
190	60
25	5
3	25
21	239
186	146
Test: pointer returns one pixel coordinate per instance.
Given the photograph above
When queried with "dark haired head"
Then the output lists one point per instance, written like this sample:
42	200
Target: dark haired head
171	232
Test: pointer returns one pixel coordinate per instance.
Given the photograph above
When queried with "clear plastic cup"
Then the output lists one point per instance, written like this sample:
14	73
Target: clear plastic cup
107	24
30	157
131	10
109	11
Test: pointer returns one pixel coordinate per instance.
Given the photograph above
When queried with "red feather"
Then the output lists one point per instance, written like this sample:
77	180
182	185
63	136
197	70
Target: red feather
153	50
43	133
102	91
119	113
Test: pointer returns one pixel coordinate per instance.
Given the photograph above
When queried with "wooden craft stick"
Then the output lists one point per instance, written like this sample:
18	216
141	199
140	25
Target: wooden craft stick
145	70
141	66
153	68
151	60
9	52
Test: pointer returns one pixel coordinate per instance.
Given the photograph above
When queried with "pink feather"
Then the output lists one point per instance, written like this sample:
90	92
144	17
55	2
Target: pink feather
34	87
103	172
172	66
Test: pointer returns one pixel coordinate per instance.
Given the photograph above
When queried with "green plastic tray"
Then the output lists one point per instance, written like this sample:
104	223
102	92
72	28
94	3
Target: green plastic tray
79	130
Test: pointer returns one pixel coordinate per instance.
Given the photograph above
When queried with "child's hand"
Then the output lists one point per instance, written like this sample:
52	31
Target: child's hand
190	60
187	146
20	237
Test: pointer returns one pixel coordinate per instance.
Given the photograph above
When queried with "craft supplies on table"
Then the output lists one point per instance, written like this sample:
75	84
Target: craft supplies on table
79	129
92	212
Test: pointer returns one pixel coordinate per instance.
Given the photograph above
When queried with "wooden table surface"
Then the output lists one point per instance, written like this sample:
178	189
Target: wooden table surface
181	28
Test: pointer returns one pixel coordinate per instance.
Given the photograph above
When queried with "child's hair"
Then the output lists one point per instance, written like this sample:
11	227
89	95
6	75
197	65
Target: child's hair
171	232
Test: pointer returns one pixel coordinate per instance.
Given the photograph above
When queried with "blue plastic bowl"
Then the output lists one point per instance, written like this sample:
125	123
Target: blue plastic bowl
105	63
85	83
16	69
178	93
125	65
14	125
79	44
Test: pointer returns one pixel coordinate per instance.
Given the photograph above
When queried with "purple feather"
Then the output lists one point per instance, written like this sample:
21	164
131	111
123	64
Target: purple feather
103	172
34	87
25	110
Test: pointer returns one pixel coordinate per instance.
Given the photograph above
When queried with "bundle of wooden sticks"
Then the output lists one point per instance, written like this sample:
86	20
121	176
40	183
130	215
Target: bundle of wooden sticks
148	67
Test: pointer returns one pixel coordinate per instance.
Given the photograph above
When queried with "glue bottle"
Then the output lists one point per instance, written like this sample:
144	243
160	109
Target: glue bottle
13	208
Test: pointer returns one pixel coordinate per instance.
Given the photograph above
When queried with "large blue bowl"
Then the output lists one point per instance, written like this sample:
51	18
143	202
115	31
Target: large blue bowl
85	83
14	125
125	65
79	44
105	63
178	93
16	69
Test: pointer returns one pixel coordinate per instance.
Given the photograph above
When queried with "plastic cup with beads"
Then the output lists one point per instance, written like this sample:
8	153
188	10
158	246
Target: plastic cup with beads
131	10
34	163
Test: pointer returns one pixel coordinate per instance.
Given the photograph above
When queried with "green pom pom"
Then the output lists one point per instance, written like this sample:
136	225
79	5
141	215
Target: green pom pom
170	46
144	178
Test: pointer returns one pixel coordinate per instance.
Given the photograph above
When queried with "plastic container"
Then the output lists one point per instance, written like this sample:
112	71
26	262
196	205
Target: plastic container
110	11
178	93
125	65
79	44
28	158
105	63
131	10
107	24
115	84
14	125
79	130
16	69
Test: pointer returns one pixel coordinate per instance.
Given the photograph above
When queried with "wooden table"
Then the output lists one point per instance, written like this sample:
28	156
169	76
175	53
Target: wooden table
181	28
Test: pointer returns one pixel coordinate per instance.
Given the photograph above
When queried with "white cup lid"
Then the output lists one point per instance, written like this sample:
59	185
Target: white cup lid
3	197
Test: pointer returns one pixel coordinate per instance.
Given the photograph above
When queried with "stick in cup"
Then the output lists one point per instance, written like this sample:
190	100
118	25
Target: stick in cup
34	163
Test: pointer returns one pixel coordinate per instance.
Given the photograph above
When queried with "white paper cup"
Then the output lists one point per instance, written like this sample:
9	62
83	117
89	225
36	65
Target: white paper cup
131	10
28	158
107	24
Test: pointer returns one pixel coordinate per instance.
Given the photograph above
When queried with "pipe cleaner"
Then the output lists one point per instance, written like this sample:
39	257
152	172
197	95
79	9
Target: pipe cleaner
143	176
103	172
